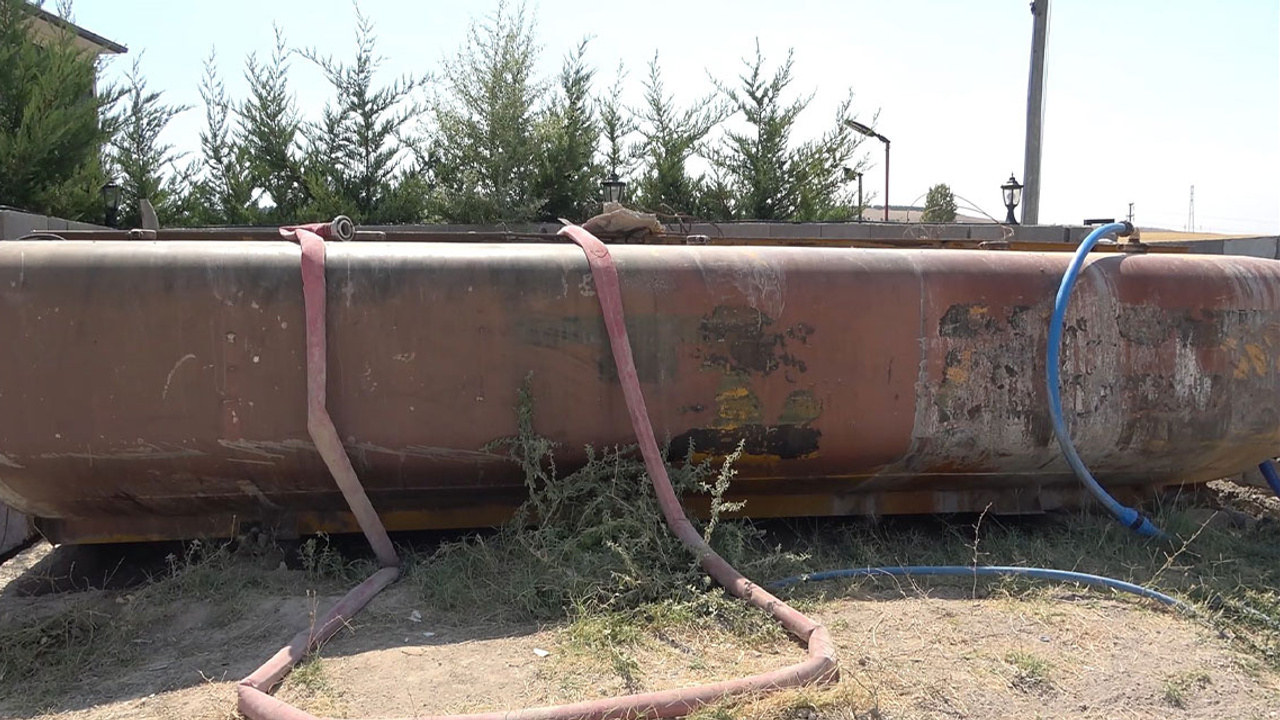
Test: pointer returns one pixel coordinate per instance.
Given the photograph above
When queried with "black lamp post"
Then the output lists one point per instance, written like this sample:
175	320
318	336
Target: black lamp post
1012	196
614	189
859	127
849	174
111	193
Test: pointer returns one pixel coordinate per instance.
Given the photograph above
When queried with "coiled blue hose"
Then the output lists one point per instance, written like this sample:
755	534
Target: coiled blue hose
1268	468
1131	518
999	570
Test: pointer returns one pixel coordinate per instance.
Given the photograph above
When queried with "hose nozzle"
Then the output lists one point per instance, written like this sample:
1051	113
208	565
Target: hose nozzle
342	228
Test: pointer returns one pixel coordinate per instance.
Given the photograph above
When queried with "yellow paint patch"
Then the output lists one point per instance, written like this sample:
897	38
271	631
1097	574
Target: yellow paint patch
1242	369
1252	362
736	405
959	373
1258	357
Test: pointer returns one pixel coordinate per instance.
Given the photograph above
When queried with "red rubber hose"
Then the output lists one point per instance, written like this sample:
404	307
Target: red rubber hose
819	666
319	424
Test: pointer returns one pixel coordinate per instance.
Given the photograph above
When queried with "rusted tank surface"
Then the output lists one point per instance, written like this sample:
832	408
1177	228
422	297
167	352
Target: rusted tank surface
157	389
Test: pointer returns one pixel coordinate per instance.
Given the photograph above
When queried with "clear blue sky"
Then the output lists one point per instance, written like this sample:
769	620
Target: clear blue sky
1145	97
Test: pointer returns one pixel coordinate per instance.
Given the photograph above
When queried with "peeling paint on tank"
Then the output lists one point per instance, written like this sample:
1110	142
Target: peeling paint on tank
762	284
168	380
800	408
979	405
1192	386
139	451
739	339
1252	362
958	363
273	449
431	452
6	461
736	405
966	321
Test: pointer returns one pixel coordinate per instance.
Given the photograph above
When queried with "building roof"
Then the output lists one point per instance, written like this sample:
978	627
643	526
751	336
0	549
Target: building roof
47	24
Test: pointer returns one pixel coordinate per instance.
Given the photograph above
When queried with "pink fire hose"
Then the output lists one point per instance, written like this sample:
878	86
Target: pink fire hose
254	700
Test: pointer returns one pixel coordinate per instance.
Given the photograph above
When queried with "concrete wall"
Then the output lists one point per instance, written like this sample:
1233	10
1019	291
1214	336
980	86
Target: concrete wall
1260	247
16	223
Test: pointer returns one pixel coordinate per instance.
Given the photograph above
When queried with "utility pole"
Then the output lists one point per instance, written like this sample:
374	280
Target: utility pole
1035	115
1130	213
1191	211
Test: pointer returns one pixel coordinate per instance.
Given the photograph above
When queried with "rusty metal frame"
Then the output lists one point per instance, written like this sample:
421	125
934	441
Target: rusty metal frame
251	234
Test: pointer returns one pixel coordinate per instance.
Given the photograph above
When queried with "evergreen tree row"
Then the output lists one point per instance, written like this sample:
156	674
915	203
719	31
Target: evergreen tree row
486	140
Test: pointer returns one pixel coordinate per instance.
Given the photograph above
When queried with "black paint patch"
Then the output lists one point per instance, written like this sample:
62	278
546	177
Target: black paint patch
965	320
1018	319
786	442
740	339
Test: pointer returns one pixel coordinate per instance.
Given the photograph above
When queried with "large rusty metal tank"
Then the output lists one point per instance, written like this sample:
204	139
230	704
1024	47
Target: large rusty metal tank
156	389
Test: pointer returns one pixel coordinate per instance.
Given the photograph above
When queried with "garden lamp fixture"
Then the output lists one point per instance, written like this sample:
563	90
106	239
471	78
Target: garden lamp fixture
1012	196
111	193
613	188
865	130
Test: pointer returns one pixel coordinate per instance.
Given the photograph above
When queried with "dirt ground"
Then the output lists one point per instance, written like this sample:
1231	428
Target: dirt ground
906	652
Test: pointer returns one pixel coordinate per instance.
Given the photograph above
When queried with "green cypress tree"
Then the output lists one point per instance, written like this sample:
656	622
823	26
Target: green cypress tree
616	125
483	154
760	173
145	165
824	192
568	180
54	122
355	154
270	131
224	193
759	166
669	137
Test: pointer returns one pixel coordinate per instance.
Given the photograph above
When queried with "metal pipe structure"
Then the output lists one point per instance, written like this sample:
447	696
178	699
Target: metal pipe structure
859	197
965	237
886	176
868	132
1035	114
156	389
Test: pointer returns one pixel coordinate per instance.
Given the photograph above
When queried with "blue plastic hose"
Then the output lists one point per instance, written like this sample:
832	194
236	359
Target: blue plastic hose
1000	570
1131	518
1268	468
